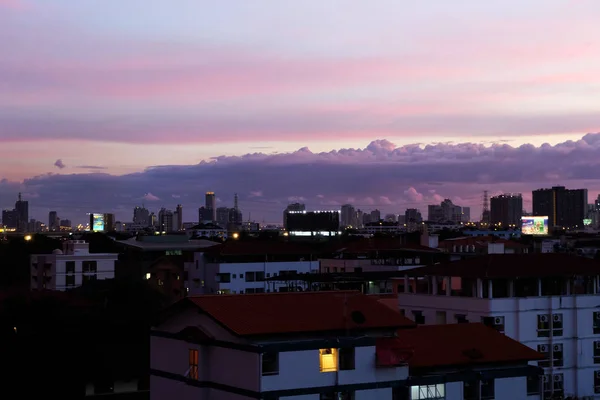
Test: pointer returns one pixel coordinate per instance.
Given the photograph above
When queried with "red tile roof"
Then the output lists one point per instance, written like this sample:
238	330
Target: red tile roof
460	344
536	265
280	313
259	247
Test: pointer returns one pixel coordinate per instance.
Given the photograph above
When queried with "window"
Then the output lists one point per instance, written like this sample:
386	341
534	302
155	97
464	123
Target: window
193	374
543	325
347	395
249	290
346	358
596	381
328	360
533	385
487	389
250	277
557	355
596	322
545	350
87	278
401	393
224	278
70	267
418	317
461	318
494	322
596	352
557	324
89	266
259	276
270	364
427	392
558	385
70	280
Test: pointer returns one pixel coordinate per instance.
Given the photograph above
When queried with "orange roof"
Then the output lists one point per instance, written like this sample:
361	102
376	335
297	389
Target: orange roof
278	313
460	344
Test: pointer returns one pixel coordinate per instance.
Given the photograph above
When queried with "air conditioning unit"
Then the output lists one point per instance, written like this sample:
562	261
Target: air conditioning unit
597	345
546	378
558	347
597	315
598	374
543	348
543	318
499	320
558	378
557	317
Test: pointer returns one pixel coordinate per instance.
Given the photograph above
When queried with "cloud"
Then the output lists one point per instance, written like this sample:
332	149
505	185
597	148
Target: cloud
150	197
59	164
255	193
13	4
92	167
381	175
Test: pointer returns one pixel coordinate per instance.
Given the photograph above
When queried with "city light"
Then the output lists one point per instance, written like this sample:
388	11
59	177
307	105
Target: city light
28	238
236	235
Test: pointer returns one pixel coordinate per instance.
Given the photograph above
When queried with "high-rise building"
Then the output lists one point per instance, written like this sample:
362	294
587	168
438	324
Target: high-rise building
506	210
292	207
412	215
22	214
375	215
565	208
210	203
446	212
109	222
348	216
141	216
9	219
178	218
53	221
165	220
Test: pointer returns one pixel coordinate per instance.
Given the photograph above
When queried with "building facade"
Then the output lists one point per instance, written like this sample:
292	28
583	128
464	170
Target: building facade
545	301
70	267
506	210
565	208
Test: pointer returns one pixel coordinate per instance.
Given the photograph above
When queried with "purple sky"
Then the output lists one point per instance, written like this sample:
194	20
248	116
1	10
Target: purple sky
103	103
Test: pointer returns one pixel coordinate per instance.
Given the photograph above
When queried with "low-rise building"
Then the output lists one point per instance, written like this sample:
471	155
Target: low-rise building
464	247
328	345
70	267
245	266
548	302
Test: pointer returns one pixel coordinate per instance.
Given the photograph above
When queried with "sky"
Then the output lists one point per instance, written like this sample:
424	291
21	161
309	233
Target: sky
385	104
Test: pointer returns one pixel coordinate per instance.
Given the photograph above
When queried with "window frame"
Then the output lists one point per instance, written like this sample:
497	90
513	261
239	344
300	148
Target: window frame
346	358
334	355
274	361
193	361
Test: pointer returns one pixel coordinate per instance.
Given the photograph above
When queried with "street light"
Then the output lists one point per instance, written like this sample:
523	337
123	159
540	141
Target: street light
28	238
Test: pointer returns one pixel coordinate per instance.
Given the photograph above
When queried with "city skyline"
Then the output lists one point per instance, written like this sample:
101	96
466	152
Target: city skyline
398	105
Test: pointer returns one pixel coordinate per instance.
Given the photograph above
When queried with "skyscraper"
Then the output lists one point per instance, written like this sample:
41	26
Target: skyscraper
53	221
22	214
506	210
178	218
210	204
165	220
565	208
141	216
348	216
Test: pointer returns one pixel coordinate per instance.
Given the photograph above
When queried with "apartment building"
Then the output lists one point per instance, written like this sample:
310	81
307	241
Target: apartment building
238	267
548	302
70	267
326	346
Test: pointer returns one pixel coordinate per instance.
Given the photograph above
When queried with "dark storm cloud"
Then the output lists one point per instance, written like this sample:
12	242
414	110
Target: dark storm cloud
381	175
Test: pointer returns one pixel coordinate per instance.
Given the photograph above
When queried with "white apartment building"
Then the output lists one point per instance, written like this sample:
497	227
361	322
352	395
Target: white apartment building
70	267
244	267
326	346
549	302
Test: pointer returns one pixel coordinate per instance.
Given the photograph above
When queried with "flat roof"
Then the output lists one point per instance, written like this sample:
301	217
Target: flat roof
169	245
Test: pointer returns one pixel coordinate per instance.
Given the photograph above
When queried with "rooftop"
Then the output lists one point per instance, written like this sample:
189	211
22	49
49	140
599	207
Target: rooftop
259	247
156	244
382	244
537	265
462	344
480	241
298	312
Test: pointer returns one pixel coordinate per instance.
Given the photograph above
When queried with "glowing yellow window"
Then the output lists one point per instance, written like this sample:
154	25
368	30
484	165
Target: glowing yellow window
328	360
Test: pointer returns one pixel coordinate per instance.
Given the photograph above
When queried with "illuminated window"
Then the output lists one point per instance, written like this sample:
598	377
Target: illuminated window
148	275
193	374
328	360
428	392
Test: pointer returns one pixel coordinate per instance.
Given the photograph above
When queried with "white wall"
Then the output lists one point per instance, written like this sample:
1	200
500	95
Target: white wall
300	369
520	319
